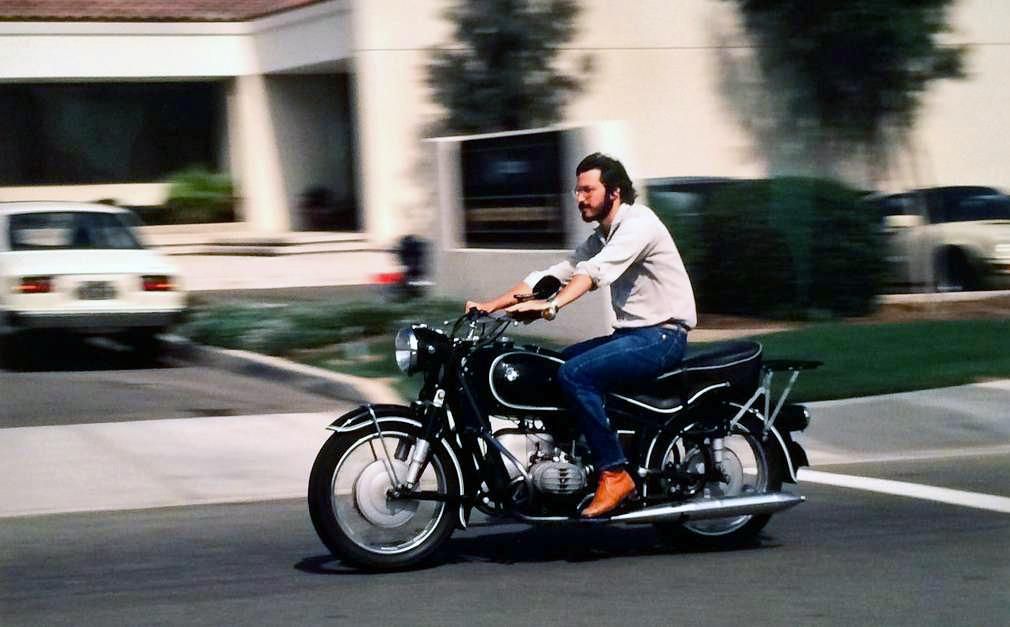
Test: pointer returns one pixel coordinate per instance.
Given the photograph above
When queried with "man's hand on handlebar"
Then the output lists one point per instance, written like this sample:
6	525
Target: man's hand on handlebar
528	311
480	307
501	302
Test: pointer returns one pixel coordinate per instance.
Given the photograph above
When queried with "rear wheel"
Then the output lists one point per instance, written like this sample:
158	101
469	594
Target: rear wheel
8	350
351	507
955	272
749	467
146	345
14	350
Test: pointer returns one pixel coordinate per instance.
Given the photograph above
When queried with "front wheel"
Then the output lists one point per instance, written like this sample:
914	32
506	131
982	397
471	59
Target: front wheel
749	466
350	504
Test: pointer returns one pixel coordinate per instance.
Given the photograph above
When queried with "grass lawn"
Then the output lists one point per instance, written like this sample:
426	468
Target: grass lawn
860	359
868	359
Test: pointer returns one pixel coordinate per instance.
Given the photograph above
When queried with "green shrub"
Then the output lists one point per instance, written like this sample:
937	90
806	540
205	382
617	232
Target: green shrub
196	195
788	247
280	328
748	268
681	213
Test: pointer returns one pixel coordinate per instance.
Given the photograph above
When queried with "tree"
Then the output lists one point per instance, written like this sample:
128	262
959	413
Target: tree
501	75
851	72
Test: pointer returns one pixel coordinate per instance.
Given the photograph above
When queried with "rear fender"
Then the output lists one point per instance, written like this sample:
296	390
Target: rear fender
398	417
792	452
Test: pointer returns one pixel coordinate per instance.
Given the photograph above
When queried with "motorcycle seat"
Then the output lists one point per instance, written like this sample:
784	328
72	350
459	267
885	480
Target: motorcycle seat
737	363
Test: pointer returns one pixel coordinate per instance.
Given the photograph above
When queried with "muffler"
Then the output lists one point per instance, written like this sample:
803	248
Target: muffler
713	508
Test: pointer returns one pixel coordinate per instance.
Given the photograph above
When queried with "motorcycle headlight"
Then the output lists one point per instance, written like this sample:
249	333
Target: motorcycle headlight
405	346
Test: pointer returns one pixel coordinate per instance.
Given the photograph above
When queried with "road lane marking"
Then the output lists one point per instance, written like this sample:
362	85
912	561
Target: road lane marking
822	455
976	500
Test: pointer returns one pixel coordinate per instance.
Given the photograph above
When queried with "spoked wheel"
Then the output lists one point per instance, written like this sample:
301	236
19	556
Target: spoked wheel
351	505
748	467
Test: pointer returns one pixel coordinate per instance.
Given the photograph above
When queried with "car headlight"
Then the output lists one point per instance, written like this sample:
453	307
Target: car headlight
1002	251
405	346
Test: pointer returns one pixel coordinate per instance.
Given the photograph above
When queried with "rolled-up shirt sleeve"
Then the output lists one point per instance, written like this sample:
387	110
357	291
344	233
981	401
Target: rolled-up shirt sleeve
564	270
625	246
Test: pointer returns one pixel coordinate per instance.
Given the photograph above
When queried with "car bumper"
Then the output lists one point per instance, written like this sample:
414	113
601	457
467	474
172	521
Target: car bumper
91	322
999	274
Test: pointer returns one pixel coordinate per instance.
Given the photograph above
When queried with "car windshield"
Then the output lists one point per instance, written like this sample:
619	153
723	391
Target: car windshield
70	230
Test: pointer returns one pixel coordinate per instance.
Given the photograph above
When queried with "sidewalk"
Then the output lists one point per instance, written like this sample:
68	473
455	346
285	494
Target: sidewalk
226	257
189	461
206	273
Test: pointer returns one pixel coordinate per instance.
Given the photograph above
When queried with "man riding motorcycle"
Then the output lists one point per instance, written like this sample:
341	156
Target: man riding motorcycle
632	251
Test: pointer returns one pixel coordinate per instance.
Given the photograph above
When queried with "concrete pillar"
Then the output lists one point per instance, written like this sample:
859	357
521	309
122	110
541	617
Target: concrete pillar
255	156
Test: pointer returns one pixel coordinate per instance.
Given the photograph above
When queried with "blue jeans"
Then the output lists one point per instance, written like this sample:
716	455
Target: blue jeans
597	366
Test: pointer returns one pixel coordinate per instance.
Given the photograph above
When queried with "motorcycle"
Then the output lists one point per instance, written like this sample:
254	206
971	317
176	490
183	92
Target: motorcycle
708	446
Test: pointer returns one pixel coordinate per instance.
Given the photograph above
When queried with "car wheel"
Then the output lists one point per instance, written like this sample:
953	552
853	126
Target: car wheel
13	351
954	272
7	342
146	345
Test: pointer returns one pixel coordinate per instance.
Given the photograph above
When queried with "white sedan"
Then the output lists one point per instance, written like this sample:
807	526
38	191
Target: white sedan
80	267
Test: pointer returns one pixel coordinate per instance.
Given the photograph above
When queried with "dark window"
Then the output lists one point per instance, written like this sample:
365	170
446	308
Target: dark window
512	191
942	202
92	133
994	207
70	230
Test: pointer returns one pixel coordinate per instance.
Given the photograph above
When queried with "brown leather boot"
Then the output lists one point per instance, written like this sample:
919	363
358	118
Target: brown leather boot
614	487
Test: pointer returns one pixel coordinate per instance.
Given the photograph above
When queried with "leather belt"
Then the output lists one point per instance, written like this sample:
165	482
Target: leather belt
676	325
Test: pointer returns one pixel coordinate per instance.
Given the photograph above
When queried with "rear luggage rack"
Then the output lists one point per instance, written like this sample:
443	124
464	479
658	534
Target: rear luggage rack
768	370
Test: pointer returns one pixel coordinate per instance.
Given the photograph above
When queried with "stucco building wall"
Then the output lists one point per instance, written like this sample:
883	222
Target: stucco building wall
663	68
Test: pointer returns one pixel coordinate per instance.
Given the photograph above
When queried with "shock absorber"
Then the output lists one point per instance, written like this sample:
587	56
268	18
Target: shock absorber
422	446
717	447
417	462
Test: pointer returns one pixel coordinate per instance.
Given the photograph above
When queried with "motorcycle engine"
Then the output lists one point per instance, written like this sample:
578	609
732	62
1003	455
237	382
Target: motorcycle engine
558	477
551	470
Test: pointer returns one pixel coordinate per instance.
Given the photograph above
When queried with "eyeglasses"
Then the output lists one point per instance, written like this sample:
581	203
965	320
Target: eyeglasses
582	191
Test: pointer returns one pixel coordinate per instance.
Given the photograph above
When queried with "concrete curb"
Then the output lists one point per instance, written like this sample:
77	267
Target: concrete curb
318	381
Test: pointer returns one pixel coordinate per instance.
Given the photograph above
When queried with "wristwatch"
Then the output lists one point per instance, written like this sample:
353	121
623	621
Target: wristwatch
552	310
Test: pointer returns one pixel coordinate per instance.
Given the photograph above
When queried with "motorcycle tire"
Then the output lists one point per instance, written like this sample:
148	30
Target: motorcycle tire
769	464
349	505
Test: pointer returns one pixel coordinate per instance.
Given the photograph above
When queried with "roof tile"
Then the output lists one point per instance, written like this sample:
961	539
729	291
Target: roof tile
144	10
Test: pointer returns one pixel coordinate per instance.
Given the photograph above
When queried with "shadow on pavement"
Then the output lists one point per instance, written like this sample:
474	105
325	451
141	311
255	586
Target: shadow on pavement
64	352
544	544
574	544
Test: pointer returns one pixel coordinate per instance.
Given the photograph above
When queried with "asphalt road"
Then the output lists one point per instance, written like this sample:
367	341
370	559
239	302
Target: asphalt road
847	556
844	558
73	381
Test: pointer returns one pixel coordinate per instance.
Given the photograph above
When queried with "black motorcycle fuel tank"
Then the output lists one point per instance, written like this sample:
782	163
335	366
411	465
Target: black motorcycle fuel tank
522	379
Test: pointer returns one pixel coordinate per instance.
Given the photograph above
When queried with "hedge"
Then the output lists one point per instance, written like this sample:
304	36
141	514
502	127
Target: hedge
784	247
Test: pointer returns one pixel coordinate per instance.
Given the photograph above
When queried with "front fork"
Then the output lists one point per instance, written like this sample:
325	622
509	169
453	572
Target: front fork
417	463
422	447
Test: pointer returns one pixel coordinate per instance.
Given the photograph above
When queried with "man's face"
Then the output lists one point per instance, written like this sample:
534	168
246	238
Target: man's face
591	195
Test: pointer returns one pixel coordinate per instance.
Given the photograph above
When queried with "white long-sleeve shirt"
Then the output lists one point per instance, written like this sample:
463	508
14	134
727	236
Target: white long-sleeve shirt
641	264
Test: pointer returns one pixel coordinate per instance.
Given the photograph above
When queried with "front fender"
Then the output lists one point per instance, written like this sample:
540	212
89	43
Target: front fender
365	417
361	417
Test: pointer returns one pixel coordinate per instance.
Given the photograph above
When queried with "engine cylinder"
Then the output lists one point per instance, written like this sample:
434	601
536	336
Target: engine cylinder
558	477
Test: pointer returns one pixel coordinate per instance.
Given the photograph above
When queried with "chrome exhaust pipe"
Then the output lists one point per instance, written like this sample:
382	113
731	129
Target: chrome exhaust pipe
713	508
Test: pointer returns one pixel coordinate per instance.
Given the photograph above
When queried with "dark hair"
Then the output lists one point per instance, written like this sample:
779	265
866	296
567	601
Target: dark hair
612	174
